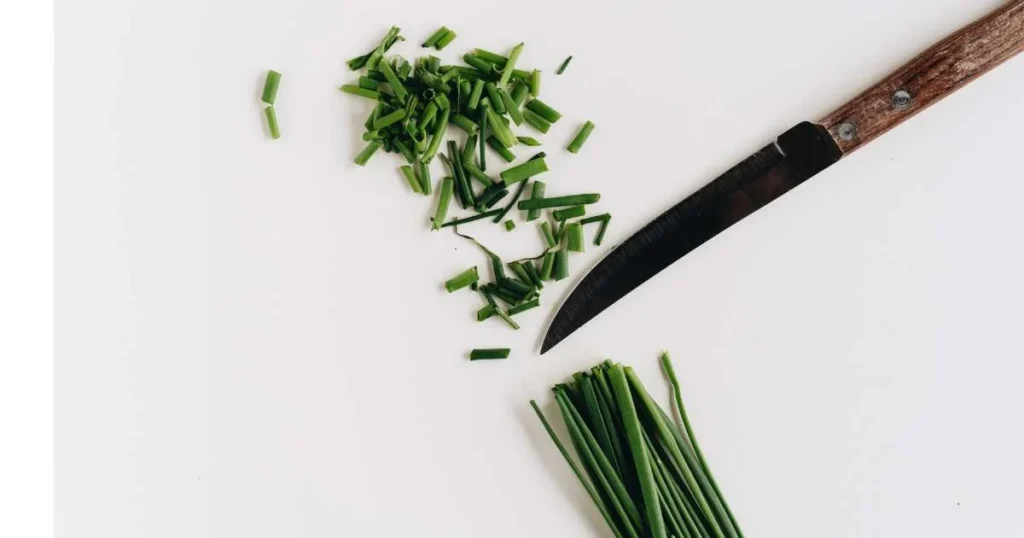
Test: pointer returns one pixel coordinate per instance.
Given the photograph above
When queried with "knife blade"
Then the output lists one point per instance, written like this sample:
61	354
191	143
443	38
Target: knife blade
797	155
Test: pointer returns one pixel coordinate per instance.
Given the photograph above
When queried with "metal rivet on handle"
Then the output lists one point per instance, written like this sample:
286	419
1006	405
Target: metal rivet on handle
847	131
901	99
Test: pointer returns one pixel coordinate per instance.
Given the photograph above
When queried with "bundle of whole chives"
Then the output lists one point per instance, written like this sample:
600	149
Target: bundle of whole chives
646	475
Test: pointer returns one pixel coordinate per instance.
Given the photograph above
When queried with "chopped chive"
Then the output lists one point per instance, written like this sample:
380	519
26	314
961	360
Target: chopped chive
440	126
360	91
515	287
513	57
396	84
465	88
581	137
560	201
404	70
432	63
368	83
506	318
449	75
576	237
448	37
500	130
389	119
443	201
478	174
595	218
483	136
433	82
494	98
492	195
519	93
434	37
523	307
482	354
541	109
536	121
486	312
404	149
569	212
561	264
367	152
601	230
491	57
515	198
423	173
465	189
497	268
549	236
271	115
442	101
371	58
469	150
373	135
464	123
462	280
480	216
561	68
528	140
536	194
531	271
502	150
270	86
410	178
547	266
528	169
535	83
482	67
510	225
474	95
427	116
519	268
510	106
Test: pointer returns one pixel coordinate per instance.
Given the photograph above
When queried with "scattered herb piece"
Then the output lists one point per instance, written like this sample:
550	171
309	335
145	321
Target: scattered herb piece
561	68
462	280
483	354
275	131
581	137
270	86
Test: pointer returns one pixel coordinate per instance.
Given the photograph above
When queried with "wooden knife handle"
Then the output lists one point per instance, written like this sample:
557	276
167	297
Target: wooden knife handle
938	72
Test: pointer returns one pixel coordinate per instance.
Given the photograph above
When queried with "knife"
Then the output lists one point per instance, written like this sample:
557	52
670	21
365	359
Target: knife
796	156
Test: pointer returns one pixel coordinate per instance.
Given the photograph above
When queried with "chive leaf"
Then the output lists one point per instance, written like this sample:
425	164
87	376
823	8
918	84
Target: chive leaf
270	86
462	280
581	137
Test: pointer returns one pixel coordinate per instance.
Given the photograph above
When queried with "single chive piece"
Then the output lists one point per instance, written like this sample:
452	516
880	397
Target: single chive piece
410	178
432	64
497	268
547	266
440	126
510	106
404	70
531	271
483	68
433	82
506	318
536	121
549	236
535	83
482	354
515	198
478	174
502	150
536	194
373	135
465	88
523	307
560	201
561	264
475	93
595	218
520	172
442	101
528	141
486	312
576	237
434	37
601	230
462	280
360	91
396	84
368	151
494	98
561	68
489	56
543	110
465	190
464	123
513	57
510	225
270	86
569	212
389	119
492	194
271	115
501	131
371	58
444	200
448	37
480	216
581	137
519	268
405	150
368	83
469	150
515	287
519	93
427	116
423	173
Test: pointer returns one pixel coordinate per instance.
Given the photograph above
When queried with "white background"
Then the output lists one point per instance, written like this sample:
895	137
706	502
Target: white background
253	339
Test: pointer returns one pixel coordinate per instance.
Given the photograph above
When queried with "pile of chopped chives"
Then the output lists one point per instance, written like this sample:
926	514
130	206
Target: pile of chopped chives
488	99
646	475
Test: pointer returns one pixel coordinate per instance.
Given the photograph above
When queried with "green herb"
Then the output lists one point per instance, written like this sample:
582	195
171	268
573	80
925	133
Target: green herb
528	140
427	116
535	83
509	67
494	98
275	131
519	93
510	106
523	171
464	123
561	264
561	68
396	84
491	57
444	200
500	129
368	151
495	144
547	266
559	201
410	178
515	198
569	212
581	137
536	194
440	127
536	121
549	236
474	95
442	101
270	86
462	280
481	354
448	37
474	218
370	59
523	307
575	232
486	312
360	91
541	109
435	37
510	225
601	230
423	175
389	119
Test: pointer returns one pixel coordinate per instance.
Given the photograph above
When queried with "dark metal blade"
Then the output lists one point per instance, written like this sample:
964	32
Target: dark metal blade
796	156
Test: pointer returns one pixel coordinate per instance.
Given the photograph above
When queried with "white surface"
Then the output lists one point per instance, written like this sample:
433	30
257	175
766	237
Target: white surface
253	340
